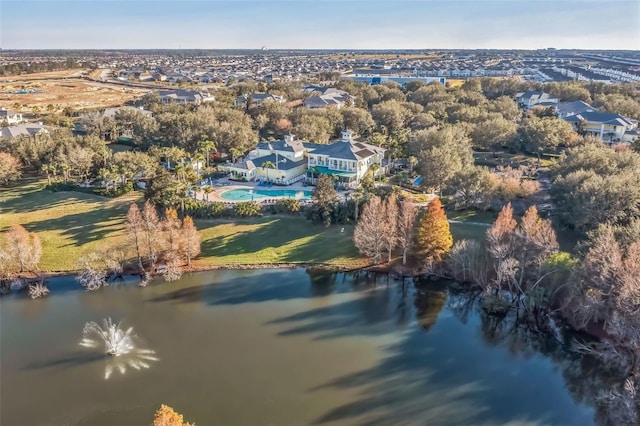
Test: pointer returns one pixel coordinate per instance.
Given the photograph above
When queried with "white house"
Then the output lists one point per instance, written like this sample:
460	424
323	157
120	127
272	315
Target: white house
528	99
10	117
291	160
607	126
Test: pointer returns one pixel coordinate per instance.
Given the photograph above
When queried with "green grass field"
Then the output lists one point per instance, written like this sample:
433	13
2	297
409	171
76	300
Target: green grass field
276	239
69	224
73	224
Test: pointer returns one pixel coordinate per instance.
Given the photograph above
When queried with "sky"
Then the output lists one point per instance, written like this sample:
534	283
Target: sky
319	24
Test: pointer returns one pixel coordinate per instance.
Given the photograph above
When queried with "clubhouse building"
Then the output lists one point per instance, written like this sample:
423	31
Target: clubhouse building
290	160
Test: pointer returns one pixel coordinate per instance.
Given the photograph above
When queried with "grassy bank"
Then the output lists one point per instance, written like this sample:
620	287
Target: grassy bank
73	224
275	239
70	224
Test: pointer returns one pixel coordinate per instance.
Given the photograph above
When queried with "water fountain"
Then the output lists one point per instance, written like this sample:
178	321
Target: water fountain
120	344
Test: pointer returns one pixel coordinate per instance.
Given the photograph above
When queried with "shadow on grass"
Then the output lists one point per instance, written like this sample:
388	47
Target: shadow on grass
321	245
82	228
30	198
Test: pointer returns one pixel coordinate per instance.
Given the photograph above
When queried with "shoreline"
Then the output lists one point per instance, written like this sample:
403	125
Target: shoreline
326	267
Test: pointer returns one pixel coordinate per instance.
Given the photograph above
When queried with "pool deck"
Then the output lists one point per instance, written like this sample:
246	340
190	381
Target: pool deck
224	185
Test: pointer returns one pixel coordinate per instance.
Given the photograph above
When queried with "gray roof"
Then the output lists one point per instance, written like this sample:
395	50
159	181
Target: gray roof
348	150
7	113
536	95
571	108
110	112
29	129
280	162
600	117
281	145
180	93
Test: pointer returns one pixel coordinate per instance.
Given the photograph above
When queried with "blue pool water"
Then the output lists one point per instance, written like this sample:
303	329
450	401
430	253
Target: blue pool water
255	194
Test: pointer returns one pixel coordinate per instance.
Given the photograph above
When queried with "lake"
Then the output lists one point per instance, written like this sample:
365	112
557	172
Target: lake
282	347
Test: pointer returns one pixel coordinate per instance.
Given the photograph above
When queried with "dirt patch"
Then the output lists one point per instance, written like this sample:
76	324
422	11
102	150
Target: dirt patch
52	92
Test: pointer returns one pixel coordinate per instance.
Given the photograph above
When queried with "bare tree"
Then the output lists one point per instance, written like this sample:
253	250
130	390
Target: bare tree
390	231
500	238
135	232
24	248
190	240
407	228
469	262
369	235
151	228
172	241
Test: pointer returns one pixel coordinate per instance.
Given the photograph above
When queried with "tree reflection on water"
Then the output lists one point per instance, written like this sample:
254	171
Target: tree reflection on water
585	377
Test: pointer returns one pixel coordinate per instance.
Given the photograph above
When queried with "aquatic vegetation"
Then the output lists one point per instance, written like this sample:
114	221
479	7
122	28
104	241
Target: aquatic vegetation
38	290
121	344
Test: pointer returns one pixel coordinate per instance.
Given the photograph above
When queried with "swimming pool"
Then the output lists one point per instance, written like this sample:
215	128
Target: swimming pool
256	194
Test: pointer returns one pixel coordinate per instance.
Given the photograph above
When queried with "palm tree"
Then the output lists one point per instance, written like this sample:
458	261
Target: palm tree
374	169
268	165
196	160
205	146
207	190
48	169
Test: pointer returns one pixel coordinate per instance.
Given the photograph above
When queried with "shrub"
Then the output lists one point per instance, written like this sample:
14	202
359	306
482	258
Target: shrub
247	209
203	210
287	205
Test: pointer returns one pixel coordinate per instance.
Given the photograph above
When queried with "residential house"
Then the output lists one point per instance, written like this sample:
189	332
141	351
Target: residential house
528	99
28	129
257	99
348	160
607	126
10	117
329	96
184	96
565	109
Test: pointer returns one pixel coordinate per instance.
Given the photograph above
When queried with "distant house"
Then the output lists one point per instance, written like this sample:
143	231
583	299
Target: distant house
145	76
29	129
184	96
257	99
329	96
607	126
565	109
528	99
10	117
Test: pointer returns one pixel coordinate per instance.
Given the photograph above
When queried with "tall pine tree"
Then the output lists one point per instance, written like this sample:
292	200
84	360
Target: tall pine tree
434	235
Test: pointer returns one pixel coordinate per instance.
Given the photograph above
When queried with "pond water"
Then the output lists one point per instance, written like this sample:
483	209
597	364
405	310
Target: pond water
281	347
251	194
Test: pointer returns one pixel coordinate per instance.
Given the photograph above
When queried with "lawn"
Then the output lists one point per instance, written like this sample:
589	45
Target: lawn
72	224
276	239
69	224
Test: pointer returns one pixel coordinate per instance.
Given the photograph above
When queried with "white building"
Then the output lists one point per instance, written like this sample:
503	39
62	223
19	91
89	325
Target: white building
290	160
10	117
